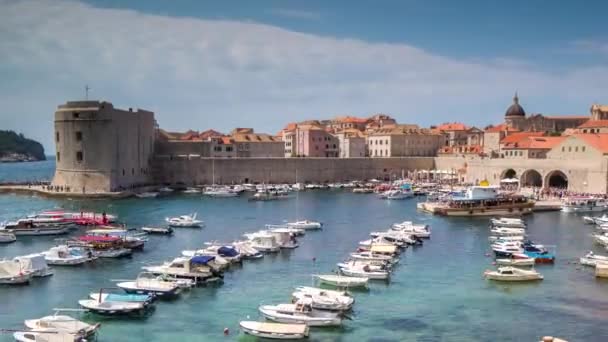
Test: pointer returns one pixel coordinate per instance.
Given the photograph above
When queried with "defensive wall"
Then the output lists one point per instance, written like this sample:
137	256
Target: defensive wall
197	170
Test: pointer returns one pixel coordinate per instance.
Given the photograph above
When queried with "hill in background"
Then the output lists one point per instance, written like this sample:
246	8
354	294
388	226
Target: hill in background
15	147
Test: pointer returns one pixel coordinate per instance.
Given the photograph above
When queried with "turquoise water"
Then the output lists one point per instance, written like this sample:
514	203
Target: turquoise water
436	294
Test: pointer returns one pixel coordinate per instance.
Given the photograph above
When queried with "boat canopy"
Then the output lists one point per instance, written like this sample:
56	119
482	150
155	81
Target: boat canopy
227	251
119	297
10	268
33	262
91	238
384	248
202	259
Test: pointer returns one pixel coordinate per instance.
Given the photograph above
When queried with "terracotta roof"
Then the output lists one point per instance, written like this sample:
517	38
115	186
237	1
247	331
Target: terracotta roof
351	119
452	126
209	133
468	149
403	130
597	141
594	124
500	128
518	136
535	143
258	137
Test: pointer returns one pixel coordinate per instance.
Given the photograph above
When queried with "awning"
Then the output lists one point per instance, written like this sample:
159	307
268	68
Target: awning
202	259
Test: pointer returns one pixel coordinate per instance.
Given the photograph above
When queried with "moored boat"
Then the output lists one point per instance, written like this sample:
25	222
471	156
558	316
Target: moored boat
7	237
63	324
342	281
484	201
34	264
12	273
301	312
512	274
149	283
158	230
278	331
185	221
583	204
64	255
325	299
305	224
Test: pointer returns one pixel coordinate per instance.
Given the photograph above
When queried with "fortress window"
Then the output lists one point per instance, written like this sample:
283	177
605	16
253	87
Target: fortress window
133	172
583	149
123	172
56	136
79	156
76	115
79	136
58	156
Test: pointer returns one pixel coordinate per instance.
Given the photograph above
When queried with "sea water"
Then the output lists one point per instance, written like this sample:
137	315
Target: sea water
436	293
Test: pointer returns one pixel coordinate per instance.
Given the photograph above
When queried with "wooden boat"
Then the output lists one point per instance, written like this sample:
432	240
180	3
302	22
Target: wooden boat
342	281
276	331
512	274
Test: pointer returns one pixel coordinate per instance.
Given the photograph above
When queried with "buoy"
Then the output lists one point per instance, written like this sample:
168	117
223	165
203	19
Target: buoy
314	259
487	254
226	331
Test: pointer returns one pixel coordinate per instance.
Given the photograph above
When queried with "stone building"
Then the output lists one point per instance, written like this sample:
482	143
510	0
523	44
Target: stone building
101	148
515	117
351	143
249	144
402	142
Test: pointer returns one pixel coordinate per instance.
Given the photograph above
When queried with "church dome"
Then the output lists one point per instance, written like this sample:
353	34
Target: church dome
515	109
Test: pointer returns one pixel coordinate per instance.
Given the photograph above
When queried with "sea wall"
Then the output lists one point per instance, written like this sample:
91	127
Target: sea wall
197	170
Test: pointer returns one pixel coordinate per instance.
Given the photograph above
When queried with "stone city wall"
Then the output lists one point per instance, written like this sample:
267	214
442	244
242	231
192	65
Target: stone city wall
196	170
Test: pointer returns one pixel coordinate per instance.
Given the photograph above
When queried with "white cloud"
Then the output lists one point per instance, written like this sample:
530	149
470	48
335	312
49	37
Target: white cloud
220	74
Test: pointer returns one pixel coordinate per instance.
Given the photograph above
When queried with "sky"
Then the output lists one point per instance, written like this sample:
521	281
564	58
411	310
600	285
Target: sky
223	64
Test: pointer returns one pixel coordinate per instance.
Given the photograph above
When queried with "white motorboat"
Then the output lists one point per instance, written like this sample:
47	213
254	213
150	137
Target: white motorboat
264	242
195	268
149	283
66	256
192	190
112	307
276	331
592	259
300	313
121	297
284	227
365	271
35	264
305	224
284	237
148	194
589	219
7	237
220	192
601	239
369	255
516	259
601	219
325	299
508	222
158	230
519	238
342	281
63	324
419	230
509	273
583	204
402	237
112	253
12	273
165	189
508	231
381	240
246	250
186	221
216	262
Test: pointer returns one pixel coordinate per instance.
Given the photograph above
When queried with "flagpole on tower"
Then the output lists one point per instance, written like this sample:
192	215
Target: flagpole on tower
86	92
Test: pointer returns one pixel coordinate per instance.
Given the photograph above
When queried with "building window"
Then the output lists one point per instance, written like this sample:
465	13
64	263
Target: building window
79	156
58	156
76	115
583	149
380	153
228	148
576	149
563	148
123	172
387	141
56	136
380	142
78	136
132	171
569	148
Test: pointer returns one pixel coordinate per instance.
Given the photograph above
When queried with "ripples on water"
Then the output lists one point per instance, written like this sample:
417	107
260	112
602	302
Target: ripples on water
437	292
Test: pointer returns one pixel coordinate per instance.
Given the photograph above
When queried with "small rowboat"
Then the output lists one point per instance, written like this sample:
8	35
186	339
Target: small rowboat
277	331
342	281
158	230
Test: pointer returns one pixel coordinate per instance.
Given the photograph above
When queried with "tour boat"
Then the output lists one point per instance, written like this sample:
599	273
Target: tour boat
507	222
325	299
195	268
63	324
508	231
35	264
149	283
158	230
305	224
148	194
186	221
7	237
12	273
220	192
275	331
509	273
30	228
67	256
583	204
103	246
592	259
130	239
301	312
342	281
364	271
484	201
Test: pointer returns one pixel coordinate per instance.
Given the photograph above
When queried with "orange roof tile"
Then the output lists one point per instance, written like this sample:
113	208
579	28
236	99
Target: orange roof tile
351	119
594	124
568	117
538	143
452	126
518	136
500	128
597	141
226	140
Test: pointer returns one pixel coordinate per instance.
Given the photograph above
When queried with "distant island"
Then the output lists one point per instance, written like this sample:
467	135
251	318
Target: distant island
17	148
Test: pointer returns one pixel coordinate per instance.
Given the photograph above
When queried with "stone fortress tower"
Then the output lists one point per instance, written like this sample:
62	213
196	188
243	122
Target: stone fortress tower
101	148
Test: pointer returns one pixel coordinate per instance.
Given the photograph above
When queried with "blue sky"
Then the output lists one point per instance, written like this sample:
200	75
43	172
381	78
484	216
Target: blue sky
222	64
